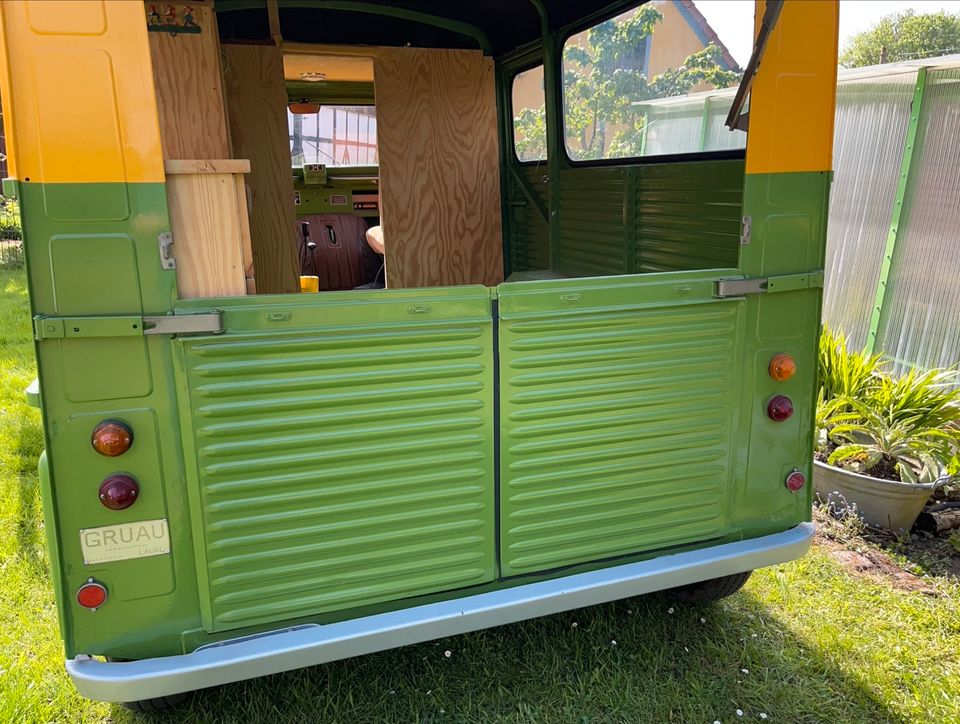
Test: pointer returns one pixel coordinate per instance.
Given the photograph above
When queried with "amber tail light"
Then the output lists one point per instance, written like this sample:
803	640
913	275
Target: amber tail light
782	367
112	438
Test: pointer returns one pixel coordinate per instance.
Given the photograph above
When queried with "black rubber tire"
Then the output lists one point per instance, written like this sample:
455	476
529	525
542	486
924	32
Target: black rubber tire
710	590
156	706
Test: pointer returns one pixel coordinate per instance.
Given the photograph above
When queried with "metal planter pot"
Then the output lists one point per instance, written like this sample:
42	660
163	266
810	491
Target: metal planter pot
881	503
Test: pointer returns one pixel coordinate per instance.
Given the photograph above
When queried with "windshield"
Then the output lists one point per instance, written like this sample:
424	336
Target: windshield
334	136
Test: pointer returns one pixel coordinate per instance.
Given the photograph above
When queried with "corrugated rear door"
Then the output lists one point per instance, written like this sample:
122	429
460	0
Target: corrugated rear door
618	401
343	448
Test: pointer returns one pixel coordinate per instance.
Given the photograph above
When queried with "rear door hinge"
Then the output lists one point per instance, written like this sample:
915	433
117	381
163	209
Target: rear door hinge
164	242
126	325
746	226
740	287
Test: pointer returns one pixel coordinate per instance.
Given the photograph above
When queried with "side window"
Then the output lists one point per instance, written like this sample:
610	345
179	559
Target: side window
654	80
529	120
333	135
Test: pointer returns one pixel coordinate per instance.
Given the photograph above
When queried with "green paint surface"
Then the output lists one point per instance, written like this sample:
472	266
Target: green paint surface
617	397
332	455
899	207
626	219
343	452
341	182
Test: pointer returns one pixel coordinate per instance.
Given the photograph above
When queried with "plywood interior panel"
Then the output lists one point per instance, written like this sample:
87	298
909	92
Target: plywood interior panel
256	103
333	67
439	167
186	73
208	219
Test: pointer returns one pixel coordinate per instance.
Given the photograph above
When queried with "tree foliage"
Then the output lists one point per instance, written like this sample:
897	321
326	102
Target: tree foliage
904	36
603	82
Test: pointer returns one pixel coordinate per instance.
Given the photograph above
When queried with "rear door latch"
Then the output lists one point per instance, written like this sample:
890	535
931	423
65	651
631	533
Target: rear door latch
740	287
127	325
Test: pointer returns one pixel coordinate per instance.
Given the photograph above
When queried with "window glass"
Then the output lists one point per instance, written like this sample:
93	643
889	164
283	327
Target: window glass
654	80
335	136
529	120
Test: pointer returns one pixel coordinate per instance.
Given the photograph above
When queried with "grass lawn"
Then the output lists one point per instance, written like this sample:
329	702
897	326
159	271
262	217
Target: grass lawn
809	641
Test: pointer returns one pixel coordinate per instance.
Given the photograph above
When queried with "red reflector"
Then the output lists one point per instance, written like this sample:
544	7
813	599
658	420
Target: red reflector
119	492
779	408
92	595
111	438
795	481
782	367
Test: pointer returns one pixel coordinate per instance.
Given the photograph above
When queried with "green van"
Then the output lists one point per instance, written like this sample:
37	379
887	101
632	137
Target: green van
363	323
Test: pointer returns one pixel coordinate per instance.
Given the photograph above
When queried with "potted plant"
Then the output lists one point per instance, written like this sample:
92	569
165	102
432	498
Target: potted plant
884	443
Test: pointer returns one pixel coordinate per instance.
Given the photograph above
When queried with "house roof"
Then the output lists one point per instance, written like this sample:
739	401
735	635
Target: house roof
703	30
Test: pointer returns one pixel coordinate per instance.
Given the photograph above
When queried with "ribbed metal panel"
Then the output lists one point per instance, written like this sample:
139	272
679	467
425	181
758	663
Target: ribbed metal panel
651	218
615	422
341	466
530	238
871	123
921	312
689	216
592	221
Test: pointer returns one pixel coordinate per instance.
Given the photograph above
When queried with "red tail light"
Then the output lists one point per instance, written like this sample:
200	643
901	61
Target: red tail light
795	481
119	492
779	408
92	595
782	367
112	438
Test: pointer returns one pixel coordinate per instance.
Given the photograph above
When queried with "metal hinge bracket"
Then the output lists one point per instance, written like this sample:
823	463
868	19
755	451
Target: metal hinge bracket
746	224
165	241
726	288
127	325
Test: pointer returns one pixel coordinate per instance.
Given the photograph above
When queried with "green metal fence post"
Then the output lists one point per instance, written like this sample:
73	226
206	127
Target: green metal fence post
896	215
643	136
704	122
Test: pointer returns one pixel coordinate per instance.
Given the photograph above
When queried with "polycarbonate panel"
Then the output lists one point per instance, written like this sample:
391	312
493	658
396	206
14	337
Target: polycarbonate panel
674	128
718	137
922	308
871	124
678	127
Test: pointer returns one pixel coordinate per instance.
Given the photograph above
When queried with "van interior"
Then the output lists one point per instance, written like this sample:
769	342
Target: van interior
343	150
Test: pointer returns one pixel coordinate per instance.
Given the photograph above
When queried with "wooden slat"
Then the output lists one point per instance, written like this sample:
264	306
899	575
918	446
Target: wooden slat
439	167
186	73
208	219
257	101
207	165
246	245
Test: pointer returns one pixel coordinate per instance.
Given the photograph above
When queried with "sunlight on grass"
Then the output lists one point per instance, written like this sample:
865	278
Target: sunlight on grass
804	642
